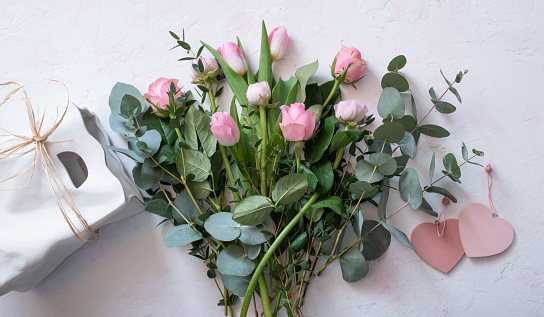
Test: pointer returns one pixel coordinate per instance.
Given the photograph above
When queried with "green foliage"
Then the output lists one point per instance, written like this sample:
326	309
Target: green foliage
396	81
410	188
303	74
289	189
391	132
325	176
192	162
433	130
397	63
222	227
391	104
181	235
234	261
316	147
377	241
399	235
353	265
253	210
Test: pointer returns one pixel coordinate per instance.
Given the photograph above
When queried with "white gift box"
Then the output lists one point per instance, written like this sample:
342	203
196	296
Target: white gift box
34	236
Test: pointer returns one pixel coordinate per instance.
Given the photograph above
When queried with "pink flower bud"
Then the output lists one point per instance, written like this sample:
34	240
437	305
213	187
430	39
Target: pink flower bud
211	69
278	40
297	124
258	93
350	111
225	129
157	95
350	56
234	57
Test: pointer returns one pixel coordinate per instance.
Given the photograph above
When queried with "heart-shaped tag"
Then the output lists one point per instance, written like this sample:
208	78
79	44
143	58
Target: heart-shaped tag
481	233
442	253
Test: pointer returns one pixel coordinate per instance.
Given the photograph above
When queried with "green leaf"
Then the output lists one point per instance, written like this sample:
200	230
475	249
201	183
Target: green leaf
432	93
311	178
236	82
479	153
450	164
314	148
197	124
140	181
289	189
152	142
391	132
153	122
236	284
253	210
449	84
342	138
386	164
410	188
402	161
426	208
464	151
407	121
442	191
444	107
325	176
376	242
364	189
353	265
249	74
233	261
117	93
454	91
384	197
251	235
299	242
185	205
130	106
131	154
396	81
265	62
159	207
181	235
200	190
397	63
399	235
303	74
433	130
414	107
391	104
222	227
334	203
285	91
366	171
408	145
357	223
431	170
193	162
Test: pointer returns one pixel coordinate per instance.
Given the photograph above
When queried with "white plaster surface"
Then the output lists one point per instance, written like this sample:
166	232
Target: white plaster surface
90	45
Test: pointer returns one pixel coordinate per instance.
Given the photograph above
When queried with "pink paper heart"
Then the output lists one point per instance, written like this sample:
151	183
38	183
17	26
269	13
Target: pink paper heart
442	253
481	233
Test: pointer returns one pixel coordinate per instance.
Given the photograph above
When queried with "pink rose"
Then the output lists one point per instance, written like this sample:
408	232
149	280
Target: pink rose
258	93
350	111
346	56
225	129
234	57
278	40
157	95
297	124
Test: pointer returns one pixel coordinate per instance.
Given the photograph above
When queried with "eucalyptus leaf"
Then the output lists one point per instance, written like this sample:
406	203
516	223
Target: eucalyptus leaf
152	141
253	210
236	284
431	170
289	189
397	63
386	164
181	235
399	235
375	242
391	104
222	227
408	145
200	190
364	189
159	207
252	235
384	197
391	132
141	182
234	261
357	223
153	122
402	161
195	163
450	164
464	152
433	130
444	107
443	191
353	265
396	81
367	172
410	188
253	251
117	93
185	205
303	74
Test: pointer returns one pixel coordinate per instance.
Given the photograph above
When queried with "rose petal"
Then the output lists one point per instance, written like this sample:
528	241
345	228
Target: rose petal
293	131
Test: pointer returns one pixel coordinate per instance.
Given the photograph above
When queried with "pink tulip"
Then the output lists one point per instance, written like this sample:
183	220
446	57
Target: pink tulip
157	95
350	111
225	129
350	55
234	57
278	40
297	124
258	93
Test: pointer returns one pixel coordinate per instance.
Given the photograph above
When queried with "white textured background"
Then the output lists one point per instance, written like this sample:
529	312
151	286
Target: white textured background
90	45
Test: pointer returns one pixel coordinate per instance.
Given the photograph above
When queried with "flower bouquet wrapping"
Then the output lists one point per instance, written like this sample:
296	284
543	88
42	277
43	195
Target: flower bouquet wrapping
265	192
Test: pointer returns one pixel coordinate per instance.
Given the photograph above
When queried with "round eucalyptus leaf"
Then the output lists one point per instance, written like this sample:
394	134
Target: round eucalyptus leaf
253	251
391	104
181	235
236	284
385	162
410	188
251	235
253	210
290	188
376	242
365	171
395	80
353	265
222	227
408	145
184	204
364	189
391	132
234	261
397	63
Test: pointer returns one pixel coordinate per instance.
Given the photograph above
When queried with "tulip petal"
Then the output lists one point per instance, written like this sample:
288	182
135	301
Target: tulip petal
223	134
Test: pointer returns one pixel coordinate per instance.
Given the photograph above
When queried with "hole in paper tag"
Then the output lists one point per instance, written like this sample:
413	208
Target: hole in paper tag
75	166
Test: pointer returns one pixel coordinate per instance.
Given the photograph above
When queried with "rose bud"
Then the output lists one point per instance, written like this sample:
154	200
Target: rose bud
350	56
211	69
350	111
158	96
225	129
258	93
234	57
278	40
297	124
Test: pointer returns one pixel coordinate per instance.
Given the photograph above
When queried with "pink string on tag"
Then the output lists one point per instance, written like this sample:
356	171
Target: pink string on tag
442	217
488	170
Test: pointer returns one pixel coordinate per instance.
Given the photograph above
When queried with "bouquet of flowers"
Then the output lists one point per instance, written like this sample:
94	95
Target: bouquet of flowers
264	193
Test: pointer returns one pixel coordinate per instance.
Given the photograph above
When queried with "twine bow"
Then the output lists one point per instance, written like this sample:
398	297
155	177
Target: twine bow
21	144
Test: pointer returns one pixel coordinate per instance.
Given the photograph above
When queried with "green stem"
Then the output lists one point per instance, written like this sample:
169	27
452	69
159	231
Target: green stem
334	88
260	267
246	185
230	176
265	299
277	306
211	95
340	153
264	149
